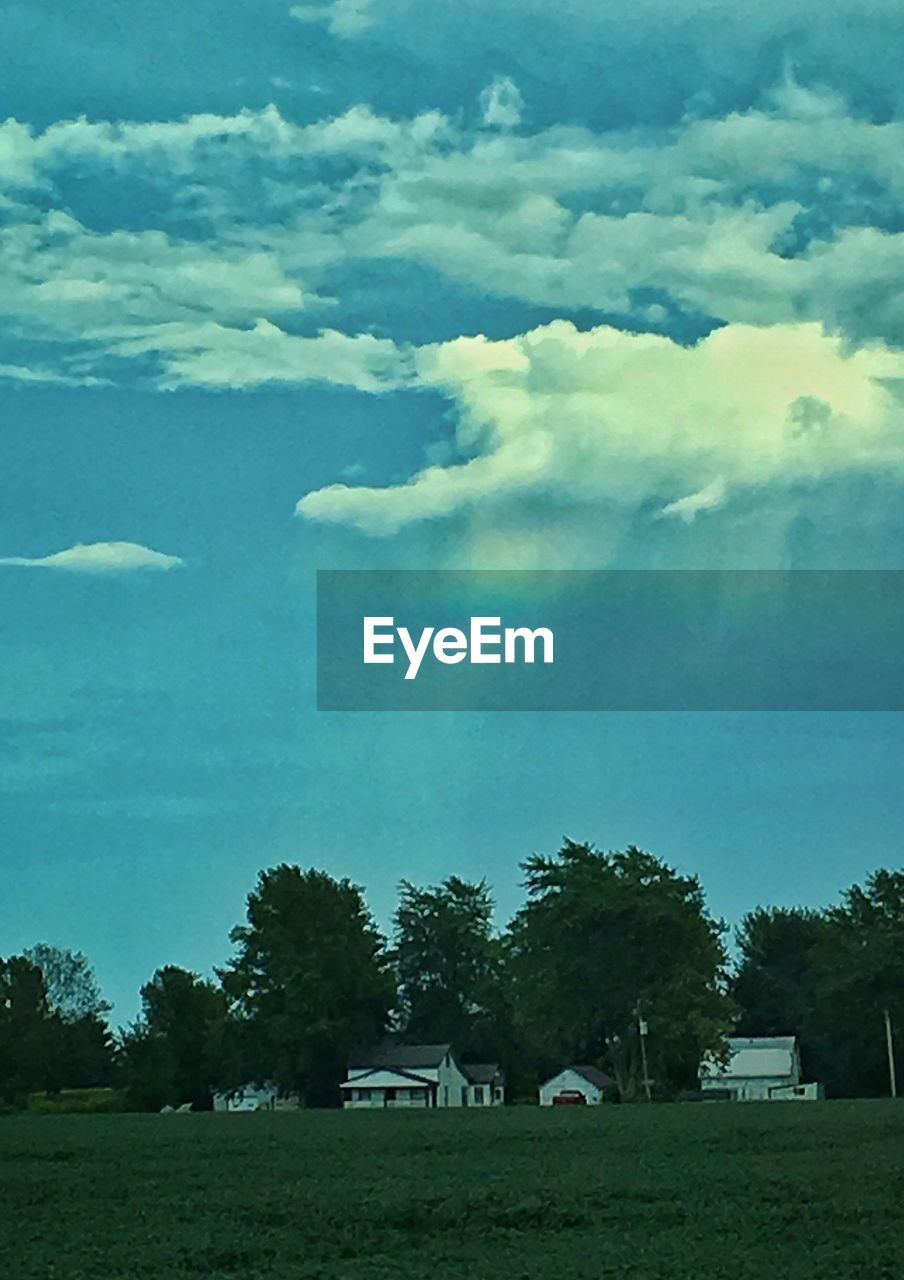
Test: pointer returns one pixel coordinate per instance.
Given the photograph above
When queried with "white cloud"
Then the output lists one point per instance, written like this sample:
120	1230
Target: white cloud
340	17
776	215
615	419
212	355
34	373
501	104
98	558
705	499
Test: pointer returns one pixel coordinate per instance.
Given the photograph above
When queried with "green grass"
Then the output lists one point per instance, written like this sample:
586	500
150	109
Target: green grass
695	1192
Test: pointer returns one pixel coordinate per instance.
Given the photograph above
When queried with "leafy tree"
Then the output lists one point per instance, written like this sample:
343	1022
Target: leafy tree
604	939
858	974
69	980
773	984
310	980
147	1068
24	1027
448	964
171	1055
43	1047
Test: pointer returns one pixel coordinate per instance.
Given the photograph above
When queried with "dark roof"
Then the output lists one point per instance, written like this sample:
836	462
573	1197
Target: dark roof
482	1072
594	1076
410	1056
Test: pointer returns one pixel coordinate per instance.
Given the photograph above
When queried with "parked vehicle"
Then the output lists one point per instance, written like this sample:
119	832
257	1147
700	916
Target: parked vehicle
569	1098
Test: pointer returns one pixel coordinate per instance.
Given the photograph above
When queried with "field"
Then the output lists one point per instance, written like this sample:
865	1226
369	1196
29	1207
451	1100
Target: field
692	1192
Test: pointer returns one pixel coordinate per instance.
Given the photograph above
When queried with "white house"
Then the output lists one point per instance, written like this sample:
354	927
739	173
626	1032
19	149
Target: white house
419	1075
487	1084
573	1084
759	1068
253	1097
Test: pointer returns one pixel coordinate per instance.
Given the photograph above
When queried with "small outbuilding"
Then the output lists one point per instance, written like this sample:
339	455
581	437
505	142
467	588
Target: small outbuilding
581	1085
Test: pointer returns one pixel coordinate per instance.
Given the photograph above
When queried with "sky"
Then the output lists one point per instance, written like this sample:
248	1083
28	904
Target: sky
371	283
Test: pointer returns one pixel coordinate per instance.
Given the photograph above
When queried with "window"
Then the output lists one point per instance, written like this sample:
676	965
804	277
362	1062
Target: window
478	1095
390	1095
445	1095
464	1095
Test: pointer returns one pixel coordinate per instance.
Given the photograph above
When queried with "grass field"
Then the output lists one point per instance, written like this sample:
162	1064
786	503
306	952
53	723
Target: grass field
693	1192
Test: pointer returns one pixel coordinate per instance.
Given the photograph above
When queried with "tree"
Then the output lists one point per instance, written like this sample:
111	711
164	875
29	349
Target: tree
858	975
171	1055
310	981
69	980
45	1046
604	940
448	966
24	1025
773	984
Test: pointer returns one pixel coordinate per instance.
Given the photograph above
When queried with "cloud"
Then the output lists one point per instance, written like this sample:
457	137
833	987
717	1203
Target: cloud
641	58
33	373
340	17
705	499
785	212
501	104
212	355
616	420
99	558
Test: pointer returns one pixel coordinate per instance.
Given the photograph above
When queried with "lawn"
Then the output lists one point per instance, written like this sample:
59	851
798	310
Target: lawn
694	1192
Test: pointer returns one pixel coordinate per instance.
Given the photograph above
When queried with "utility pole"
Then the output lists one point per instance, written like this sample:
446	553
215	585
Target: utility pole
642	1028
890	1046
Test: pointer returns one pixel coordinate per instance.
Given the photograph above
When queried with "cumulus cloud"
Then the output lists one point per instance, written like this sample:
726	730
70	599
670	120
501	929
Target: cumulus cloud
785	212
606	417
501	104
99	558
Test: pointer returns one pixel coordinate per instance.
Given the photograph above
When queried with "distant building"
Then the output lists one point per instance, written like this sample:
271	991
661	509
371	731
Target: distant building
253	1097
419	1075
759	1068
487	1084
585	1086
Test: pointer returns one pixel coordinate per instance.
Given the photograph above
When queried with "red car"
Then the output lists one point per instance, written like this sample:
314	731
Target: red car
569	1098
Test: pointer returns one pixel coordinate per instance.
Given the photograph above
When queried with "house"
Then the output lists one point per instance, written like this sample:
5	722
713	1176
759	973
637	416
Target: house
759	1068
419	1075
576	1084
487	1084
253	1097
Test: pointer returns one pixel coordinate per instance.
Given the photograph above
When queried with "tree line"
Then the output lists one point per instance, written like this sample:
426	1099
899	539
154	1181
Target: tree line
602	941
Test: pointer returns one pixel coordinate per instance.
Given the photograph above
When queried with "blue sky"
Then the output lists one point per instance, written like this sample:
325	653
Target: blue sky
376	283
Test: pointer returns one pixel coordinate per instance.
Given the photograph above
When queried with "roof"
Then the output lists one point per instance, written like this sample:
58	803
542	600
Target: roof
594	1076
756	1056
384	1078
482	1072
404	1056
